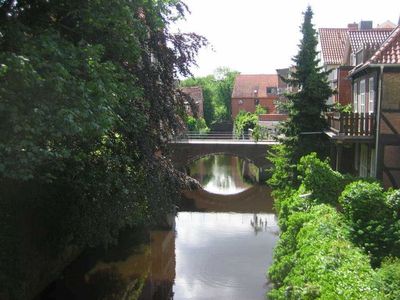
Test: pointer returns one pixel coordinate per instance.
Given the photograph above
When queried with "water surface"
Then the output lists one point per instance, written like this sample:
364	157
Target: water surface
220	248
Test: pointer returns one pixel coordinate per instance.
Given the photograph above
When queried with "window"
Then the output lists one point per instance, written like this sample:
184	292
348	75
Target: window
362	96
355	96
371	98
271	90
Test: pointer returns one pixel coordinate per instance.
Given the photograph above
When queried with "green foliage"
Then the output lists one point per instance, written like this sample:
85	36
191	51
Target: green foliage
388	278
87	97
217	92
315	260
259	132
307	104
283	174
321	253
318	178
243	122
369	213
342	108
260	110
197	125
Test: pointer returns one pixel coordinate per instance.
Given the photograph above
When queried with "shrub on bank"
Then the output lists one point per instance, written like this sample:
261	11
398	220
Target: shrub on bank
373	219
387	278
318	178
314	259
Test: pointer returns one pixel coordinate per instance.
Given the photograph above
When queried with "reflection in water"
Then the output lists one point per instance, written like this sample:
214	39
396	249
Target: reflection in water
218	256
224	174
220	248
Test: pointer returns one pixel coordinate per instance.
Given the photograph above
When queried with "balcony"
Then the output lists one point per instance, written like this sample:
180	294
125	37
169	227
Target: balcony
351	125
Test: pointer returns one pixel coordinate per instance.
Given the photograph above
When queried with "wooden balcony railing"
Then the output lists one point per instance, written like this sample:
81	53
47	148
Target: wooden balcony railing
352	124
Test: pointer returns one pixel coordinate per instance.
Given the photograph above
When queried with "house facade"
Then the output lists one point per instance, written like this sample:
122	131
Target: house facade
252	90
332	42
266	90
340	48
366	142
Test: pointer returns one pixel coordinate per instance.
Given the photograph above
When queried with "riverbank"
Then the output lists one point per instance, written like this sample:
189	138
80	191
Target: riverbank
339	237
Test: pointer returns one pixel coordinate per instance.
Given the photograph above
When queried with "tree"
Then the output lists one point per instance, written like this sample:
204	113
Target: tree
217	93
88	100
304	129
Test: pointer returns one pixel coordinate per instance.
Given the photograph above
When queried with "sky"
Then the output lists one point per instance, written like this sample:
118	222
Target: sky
260	36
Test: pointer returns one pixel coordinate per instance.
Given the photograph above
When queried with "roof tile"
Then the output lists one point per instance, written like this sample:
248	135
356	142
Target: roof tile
372	37
389	52
333	41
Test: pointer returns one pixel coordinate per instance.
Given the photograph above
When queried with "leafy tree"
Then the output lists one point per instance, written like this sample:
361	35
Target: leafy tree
197	125
217	93
87	99
304	129
244	121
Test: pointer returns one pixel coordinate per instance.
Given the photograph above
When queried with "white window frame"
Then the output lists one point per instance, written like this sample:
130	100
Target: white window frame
362	96
355	97
371	95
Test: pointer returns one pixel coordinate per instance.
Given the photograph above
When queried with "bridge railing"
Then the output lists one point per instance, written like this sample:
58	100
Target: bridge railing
215	135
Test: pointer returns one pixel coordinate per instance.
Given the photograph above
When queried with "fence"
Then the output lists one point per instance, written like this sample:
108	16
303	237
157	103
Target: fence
352	124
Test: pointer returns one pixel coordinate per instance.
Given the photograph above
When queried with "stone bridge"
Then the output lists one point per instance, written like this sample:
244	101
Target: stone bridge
183	152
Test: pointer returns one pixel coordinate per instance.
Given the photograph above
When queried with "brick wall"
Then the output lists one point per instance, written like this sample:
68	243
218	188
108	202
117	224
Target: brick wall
249	104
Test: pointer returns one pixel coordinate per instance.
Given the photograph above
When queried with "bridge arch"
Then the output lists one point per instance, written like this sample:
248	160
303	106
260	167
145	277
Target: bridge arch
184	152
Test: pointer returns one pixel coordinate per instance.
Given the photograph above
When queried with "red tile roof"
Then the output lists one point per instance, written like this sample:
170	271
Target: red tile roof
389	52
249	86
333	41
360	38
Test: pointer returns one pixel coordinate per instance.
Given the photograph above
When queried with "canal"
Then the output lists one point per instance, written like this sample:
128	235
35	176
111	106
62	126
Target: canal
220	247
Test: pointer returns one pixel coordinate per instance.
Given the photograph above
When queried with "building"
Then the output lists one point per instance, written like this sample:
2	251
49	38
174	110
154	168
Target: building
252	90
196	94
339	48
266	90
332	42
366	142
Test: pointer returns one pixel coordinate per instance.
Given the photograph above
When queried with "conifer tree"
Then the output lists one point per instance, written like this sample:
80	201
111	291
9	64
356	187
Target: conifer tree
304	129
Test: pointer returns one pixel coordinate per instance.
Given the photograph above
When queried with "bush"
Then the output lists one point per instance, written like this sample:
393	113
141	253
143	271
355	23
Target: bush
197	125
388	279
318	178
314	259
282	174
243	122
368	211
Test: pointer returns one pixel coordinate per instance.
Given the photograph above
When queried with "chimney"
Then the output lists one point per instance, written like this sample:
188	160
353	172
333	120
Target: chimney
365	25
352	26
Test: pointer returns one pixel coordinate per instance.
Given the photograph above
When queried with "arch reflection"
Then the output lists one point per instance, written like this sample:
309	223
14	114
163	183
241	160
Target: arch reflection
224	174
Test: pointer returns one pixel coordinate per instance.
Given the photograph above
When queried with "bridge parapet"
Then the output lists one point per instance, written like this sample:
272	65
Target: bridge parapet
184	151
